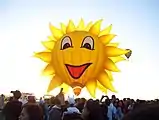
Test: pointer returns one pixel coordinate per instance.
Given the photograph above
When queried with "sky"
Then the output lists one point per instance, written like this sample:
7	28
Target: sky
25	23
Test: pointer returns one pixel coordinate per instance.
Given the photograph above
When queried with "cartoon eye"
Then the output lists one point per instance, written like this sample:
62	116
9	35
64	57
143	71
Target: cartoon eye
88	43
66	43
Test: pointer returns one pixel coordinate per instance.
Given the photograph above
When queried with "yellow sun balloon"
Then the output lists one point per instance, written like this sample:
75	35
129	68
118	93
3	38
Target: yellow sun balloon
81	56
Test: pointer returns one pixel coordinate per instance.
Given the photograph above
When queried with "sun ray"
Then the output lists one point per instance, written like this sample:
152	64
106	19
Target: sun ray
113	44
88	26
117	59
91	87
63	28
80	25
105	39
106	31
105	81
48	44
70	27
110	65
95	28
114	51
55	82
109	75
65	88
57	33
45	56
49	70
101	87
51	38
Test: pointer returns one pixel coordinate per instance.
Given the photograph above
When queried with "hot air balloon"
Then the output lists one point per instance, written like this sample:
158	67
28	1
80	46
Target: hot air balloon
128	54
81	56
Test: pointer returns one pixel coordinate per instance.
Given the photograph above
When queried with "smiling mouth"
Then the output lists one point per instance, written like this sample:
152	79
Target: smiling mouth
77	71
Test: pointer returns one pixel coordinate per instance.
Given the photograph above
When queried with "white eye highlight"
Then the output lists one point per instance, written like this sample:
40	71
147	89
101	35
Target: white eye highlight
88	43
66	43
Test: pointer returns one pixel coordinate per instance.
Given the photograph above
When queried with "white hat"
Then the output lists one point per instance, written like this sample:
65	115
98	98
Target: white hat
71	100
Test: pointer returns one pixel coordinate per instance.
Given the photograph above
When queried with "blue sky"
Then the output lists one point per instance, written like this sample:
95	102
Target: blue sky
24	24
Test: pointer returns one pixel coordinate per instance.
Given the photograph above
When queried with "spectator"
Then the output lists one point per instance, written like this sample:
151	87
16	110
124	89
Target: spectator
119	112
56	111
31	112
45	110
51	101
31	99
81	103
92	111
146	112
13	108
61	97
72	113
111	110
1	101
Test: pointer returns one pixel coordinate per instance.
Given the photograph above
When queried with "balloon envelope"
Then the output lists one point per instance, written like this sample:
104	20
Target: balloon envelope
81	56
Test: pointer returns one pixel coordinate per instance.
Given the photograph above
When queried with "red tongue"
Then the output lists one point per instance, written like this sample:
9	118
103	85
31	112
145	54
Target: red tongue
76	71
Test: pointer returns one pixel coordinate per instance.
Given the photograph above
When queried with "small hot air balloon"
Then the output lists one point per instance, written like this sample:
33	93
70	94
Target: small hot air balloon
128	54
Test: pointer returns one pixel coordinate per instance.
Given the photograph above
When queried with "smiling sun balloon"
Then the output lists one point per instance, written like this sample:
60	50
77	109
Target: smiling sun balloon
81	56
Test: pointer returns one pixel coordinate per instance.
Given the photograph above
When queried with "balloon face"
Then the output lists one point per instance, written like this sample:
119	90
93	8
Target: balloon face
77	55
81	57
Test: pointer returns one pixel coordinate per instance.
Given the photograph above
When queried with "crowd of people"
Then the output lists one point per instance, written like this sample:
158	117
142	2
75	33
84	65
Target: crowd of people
56	108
